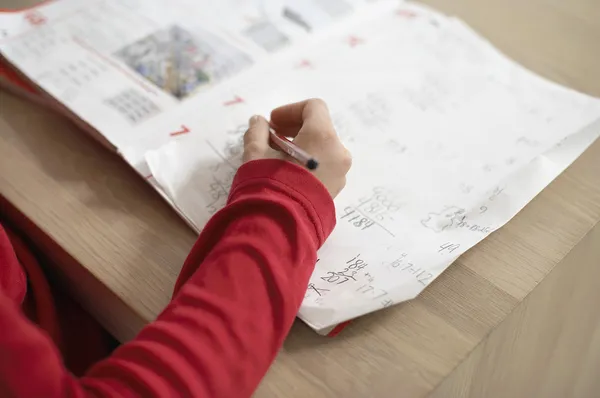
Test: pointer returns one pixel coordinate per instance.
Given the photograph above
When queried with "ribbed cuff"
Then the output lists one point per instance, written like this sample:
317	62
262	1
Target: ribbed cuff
297	182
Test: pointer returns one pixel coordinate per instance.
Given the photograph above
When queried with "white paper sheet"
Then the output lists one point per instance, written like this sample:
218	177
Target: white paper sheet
448	139
119	64
110	62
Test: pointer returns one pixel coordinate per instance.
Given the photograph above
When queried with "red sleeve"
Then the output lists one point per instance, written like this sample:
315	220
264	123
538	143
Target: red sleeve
234	302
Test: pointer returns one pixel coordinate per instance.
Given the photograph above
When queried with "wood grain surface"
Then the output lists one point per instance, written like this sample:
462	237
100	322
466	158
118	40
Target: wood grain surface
549	346
515	314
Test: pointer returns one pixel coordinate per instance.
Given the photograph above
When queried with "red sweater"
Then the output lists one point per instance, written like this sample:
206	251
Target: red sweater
234	302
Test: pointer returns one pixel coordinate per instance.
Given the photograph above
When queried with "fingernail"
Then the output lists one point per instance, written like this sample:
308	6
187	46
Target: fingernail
253	120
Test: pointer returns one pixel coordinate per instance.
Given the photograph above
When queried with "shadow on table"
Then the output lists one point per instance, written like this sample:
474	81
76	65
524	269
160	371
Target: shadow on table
96	197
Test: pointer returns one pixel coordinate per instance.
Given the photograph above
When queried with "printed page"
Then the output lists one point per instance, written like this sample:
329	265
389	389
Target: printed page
448	139
123	65
314	14
173	124
119	64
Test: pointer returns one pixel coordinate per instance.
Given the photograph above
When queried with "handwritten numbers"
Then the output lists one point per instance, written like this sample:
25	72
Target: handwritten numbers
496	193
452	217
365	289
363	223
448	247
425	278
371	292
356	219
441	221
337	277
404	265
386	199
313	288
237	131
217	193
399	261
331	277
387	303
219	189
233	149
375	209
356	264
421	275
349	272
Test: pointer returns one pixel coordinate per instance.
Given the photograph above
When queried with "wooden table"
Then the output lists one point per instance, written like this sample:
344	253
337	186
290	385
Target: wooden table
514	317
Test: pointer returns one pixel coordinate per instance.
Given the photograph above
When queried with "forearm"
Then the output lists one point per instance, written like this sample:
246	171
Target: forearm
235	301
232	315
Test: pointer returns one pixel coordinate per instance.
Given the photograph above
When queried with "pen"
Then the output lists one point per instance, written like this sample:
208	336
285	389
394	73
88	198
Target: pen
293	150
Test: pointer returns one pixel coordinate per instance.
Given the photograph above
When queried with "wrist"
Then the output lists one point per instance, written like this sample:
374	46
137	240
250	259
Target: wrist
293	181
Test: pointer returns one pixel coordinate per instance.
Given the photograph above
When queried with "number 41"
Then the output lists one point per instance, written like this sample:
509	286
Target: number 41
449	247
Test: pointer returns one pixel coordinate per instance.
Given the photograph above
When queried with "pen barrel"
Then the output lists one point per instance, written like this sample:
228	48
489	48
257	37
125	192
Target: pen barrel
293	150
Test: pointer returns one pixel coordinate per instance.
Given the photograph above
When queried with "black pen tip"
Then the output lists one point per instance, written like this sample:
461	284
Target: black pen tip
312	164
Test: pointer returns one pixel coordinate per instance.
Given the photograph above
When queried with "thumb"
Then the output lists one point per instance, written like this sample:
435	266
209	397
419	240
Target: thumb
256	139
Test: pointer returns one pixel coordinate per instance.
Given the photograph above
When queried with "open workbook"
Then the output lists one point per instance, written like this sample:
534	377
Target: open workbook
450	138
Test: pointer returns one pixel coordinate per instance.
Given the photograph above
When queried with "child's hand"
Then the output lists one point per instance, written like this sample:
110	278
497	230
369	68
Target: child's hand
309	123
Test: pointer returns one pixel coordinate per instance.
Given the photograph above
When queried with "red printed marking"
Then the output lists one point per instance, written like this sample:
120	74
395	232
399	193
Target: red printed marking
406	14
336	330
305	64
149	176
236	100
354	41
54	20
35	18
184	130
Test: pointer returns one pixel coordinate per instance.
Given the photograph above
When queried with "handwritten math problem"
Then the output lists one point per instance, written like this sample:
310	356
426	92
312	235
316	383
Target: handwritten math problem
448	247
405	265
431	137
356	218
376	209
371	291
219	190
453	217
223	171
352	267
354	271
